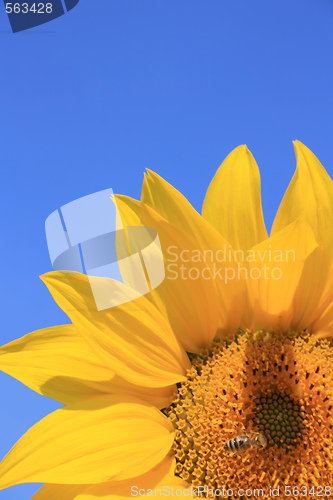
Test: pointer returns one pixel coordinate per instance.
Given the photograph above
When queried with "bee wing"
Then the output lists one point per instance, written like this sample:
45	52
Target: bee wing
240	430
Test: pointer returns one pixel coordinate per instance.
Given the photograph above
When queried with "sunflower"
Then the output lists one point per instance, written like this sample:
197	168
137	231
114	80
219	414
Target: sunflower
218	381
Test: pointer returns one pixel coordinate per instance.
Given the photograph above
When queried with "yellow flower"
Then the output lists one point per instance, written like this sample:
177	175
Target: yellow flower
240	323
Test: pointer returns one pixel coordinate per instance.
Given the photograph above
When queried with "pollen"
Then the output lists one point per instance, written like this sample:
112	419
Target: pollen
277	385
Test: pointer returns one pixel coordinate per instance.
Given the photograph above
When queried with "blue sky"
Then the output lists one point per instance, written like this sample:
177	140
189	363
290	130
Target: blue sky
93	98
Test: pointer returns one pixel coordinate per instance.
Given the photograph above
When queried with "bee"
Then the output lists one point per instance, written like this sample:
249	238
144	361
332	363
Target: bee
251	441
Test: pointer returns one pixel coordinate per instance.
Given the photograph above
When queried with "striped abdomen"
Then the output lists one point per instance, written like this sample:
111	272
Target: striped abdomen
238	444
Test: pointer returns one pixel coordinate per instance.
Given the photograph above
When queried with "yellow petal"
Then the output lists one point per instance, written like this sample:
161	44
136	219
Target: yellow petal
159	478
58	363
188	296
310	196
161	397
61	492
133	339
322	325
191	305
174	208
90	442
275	272
233	201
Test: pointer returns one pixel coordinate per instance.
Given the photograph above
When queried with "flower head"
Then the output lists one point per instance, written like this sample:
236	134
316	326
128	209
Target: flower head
262	384
220	377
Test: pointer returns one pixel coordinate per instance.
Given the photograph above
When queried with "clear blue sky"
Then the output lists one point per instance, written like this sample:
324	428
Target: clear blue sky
93	98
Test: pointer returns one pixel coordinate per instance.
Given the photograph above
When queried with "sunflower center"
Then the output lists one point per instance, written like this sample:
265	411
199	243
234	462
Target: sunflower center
255	411
280	418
